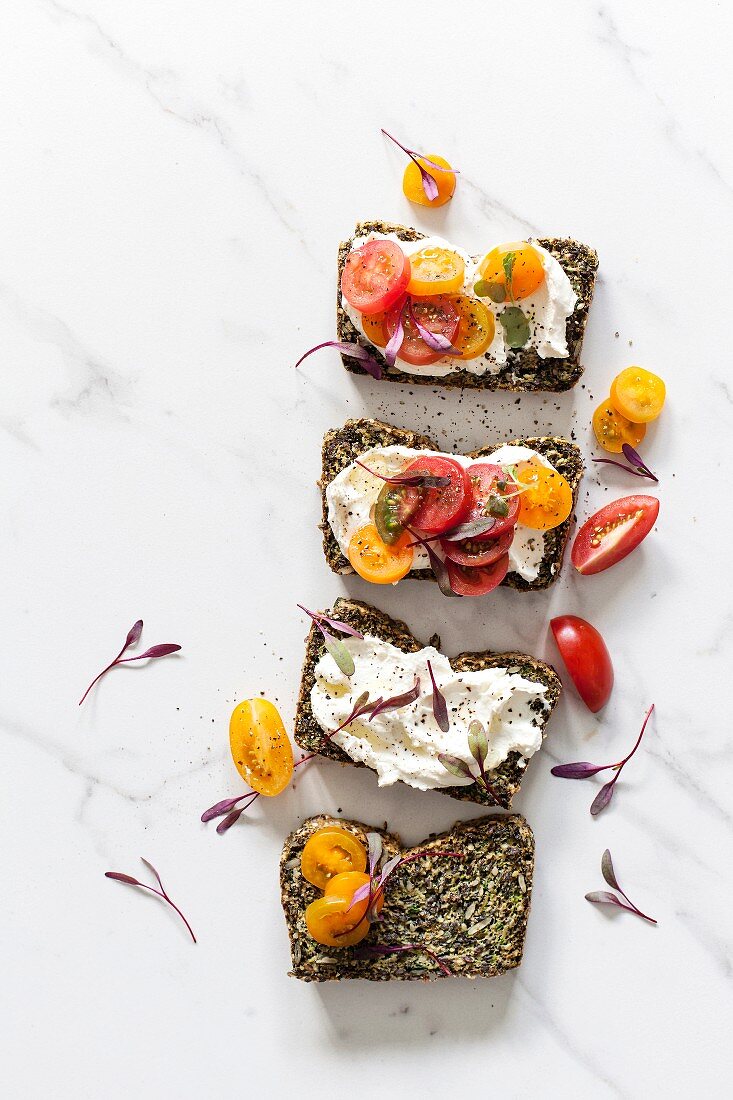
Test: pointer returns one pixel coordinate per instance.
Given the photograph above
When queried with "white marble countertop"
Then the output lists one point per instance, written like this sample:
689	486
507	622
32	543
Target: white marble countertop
175	179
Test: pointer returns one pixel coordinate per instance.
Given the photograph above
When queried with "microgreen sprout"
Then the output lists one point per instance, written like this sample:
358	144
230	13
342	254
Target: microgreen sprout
440	707
377	950
429	185
334	645
582	769
478	746
354	350
418	481
637	466
605	897
438	566
118	876
395	341
133	636
373	890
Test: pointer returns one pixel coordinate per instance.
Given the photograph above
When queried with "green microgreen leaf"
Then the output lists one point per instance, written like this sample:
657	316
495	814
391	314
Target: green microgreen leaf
498	506
515	325
494	291
455	765
341	655
508	264
478	742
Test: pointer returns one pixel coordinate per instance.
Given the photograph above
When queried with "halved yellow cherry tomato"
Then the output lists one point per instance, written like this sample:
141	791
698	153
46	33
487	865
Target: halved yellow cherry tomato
260	746
435	271
638	394
345	886
613	430
375	328
331	851
546	499
476	326
377	562
328	922
412	181
527	272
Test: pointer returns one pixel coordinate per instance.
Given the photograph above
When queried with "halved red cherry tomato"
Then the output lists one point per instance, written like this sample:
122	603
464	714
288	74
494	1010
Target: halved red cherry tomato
438	314
466	581
377	562
586	658
375	276
492	498
613	532
441	509
412	181
261	748
331	851
478	553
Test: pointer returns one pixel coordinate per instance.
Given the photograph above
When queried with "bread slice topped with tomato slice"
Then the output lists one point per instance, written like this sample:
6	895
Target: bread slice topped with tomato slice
358	904
510	318
394	506
372	695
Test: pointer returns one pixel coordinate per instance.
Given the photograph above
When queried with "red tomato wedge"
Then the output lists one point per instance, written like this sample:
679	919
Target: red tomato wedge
437	314
478	553
586	658
486	477
466	581
613	532
441	509
375	276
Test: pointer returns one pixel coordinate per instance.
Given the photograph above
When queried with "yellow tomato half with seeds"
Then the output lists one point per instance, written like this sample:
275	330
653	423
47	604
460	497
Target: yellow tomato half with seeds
638	394
330	921
435	271
345	886
261	748
476	326
329	852
445	180
546	499
613	430
522	262
375	560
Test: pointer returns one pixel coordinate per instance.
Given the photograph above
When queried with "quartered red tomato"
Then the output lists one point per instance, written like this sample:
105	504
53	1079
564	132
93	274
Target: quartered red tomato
613	532
466	581
475	552
438	314
375	276
586	658
492	498
441	508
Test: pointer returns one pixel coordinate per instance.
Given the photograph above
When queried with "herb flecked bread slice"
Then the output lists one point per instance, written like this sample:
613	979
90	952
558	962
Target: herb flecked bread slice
524	370
470	912
342	445
504	780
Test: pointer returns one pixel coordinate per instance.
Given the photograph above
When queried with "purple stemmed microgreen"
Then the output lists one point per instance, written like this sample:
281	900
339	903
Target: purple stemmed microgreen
354	350
436	341
438	566
605	897
478	746
582	769
418	481
378	950
429	185
396	702
440	707
334	645
395	341
373	890
133	637
118	876
636	464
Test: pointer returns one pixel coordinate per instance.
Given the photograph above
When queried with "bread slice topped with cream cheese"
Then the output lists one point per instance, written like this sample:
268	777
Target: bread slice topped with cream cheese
385	701
455	905
510	318
492	544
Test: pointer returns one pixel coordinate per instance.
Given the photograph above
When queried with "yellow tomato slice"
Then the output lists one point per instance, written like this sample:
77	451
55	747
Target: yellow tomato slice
546	499
345	886
638	394
412	181
330	922
613	430
377	562
476	326
524	264
375	328
329	852
260	746
435	271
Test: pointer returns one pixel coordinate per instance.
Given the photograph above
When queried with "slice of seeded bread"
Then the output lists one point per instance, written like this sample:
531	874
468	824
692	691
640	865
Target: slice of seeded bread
504	780
524	370
471	912
342	445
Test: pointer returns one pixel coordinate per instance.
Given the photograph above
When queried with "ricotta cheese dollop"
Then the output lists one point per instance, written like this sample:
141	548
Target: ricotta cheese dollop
353	493
547	310
404	744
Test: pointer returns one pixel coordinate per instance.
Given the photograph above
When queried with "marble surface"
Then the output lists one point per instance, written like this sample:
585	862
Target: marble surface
175	178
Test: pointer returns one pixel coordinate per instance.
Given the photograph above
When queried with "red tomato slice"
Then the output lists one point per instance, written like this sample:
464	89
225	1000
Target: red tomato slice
441	509
438	314
485	477
375	276
476	582
478	553
614	532
586	658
